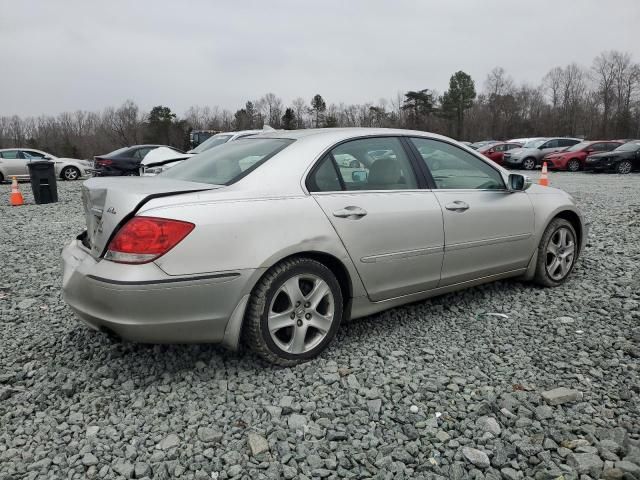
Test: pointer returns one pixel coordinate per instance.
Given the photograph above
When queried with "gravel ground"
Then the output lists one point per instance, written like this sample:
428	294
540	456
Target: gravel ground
436	389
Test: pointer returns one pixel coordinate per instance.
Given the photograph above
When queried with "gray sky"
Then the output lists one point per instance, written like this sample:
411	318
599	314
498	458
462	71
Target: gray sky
67	55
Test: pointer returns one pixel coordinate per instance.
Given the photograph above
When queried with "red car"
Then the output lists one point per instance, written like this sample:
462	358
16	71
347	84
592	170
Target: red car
573	158
495	151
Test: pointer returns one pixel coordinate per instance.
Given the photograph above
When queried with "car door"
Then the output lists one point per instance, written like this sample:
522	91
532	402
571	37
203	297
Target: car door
391	228
14	163
488	230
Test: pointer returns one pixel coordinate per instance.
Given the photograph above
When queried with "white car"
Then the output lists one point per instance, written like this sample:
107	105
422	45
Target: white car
161	159
14	163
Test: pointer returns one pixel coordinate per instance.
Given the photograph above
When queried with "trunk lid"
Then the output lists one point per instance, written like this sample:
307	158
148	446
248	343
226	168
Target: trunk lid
109	202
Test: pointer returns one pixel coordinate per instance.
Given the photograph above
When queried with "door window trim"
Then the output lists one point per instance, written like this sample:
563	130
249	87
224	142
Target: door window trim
422	183
424	166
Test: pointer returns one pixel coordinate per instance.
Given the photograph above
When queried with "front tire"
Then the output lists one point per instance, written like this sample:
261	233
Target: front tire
573	165
529	163
624	167
294	312
557	253
70	173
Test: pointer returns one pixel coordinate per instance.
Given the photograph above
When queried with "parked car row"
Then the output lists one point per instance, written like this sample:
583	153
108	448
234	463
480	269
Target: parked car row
562	153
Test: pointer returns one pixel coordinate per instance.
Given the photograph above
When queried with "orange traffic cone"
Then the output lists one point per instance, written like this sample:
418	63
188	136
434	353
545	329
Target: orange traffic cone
16	196
544	178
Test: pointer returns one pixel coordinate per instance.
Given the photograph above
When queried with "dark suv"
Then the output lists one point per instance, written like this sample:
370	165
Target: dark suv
124	161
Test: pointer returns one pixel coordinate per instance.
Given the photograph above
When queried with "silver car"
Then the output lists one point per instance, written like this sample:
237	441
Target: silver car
269	240
531	154
14	163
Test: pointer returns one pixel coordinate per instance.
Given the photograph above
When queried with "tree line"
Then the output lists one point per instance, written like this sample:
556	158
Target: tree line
601	101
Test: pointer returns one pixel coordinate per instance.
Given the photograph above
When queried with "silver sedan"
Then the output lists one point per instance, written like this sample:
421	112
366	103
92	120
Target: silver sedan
273	242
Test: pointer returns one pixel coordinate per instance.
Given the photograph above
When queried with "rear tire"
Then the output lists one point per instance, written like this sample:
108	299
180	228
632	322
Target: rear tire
624	167
573	165
557	253
529	163
1	178
294	312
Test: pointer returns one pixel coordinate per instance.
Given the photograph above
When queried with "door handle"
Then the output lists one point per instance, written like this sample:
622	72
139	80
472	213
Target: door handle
457	206
350	212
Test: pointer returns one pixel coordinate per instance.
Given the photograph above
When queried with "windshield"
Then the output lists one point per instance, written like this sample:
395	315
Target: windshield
117	152
227	163
534	143
578	146
211	142
628	147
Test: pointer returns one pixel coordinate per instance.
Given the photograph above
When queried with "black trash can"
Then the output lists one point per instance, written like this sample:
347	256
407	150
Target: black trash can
43	182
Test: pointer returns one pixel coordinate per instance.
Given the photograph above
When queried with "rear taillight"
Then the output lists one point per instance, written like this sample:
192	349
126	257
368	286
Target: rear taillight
143	239
104	163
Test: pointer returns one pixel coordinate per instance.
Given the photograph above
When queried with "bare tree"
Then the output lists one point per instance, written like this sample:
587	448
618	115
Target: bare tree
603	72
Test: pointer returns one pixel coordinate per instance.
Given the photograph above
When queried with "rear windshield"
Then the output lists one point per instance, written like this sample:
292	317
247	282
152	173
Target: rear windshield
227	163
117	152
578	146
628	147
534	143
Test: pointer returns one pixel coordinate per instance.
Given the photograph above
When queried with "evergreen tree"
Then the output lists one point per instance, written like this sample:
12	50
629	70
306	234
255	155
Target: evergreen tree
318	106
458	99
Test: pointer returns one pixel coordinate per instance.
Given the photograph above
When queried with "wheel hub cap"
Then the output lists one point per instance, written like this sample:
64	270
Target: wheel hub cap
301	313
560	253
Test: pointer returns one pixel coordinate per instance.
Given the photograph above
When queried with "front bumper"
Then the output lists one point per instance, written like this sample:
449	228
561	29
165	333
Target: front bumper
141	303
512	162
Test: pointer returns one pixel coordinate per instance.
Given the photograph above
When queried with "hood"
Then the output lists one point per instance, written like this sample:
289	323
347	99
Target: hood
108	202
161	155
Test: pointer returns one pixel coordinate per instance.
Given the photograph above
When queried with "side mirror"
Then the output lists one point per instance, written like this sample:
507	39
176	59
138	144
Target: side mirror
47	157
518	183
359	176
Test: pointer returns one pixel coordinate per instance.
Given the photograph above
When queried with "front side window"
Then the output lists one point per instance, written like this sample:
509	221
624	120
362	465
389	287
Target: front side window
551	144
454	168
32	154
365	164
227	163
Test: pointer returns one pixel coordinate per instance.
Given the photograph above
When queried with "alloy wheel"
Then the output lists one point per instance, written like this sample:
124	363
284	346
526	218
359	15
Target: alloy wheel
560	254
624	167
529	163
573	165
70	173
301	313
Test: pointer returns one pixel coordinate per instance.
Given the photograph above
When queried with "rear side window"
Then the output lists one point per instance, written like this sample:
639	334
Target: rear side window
10	154
227	163
377	163
454	168
141	152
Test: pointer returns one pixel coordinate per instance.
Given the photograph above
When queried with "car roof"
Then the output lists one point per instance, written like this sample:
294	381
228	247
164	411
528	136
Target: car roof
337	134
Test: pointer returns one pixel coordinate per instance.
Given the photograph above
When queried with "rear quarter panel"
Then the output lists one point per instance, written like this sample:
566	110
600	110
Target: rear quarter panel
237	234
